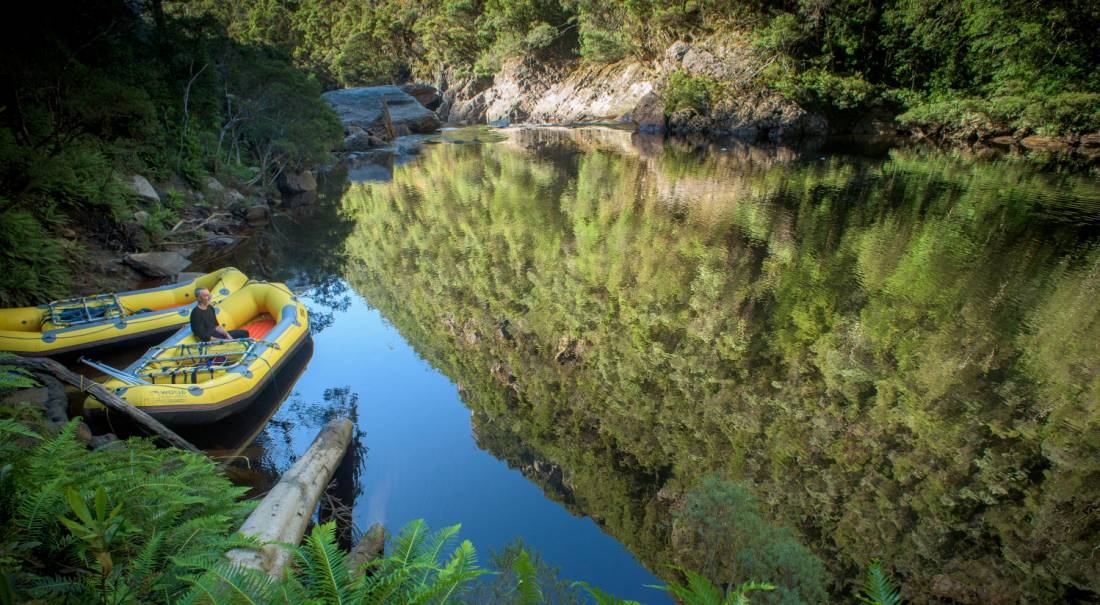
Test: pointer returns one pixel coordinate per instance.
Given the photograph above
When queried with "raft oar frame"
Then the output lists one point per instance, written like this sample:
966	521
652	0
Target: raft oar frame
114	372
142	375
106	307
231	359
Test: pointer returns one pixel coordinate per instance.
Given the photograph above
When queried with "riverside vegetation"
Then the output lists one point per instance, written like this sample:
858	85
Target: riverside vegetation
104	89
949	68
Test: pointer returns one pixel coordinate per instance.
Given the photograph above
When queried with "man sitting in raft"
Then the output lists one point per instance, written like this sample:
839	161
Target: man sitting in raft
204	323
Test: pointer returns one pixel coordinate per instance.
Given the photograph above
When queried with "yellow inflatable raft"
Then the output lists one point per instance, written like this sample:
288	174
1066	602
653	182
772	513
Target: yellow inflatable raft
67	326
183	382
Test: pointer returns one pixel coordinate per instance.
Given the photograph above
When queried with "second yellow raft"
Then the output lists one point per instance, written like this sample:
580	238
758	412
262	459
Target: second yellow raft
78	324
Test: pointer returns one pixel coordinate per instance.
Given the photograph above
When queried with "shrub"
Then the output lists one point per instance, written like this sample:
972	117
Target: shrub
783	34
604	46
541	36
34	260
684	91
735	543
821	88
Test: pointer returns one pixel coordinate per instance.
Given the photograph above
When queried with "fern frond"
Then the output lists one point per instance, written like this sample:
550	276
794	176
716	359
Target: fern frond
410	542
879	589
54	586
11	427
435	543
323	569
528	591
225	583
38	509
454	578
602	598
146	560
385	588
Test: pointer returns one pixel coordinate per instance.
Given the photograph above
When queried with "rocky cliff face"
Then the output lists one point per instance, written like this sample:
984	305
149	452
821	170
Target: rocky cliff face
529	91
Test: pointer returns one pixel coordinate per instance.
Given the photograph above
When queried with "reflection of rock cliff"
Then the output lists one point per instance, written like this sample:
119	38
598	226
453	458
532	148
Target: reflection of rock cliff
839	333
509	447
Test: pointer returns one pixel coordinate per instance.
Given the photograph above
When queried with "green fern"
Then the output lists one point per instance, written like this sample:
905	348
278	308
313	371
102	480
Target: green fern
701	591
528	591
322	568
222	583
878	588
13	377
168	506
413	573
601	597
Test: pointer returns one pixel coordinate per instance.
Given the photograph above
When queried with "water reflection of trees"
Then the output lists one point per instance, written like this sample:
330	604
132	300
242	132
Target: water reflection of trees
902	356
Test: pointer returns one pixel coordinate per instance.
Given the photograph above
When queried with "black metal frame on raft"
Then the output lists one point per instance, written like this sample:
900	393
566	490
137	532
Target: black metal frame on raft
85	310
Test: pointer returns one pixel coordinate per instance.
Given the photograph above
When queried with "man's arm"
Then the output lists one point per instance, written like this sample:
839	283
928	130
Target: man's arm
221	332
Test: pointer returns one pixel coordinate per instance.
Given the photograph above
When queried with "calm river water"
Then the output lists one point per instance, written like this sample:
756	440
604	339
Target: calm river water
755	363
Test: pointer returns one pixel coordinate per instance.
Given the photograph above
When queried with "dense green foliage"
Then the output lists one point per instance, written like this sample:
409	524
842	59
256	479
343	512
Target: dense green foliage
900	356
954	64
110	526
103	89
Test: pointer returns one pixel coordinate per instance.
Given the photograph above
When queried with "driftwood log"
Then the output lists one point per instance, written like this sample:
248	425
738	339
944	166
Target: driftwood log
42	365
284	513
370	547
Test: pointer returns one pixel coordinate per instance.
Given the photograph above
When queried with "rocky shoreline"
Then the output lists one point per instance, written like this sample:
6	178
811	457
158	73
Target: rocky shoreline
138	252
532	91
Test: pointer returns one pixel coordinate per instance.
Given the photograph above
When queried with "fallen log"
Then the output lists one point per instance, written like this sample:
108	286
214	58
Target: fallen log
283	514
370	547
50	367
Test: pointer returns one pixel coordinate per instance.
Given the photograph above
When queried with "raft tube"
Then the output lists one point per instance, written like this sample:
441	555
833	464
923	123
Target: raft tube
31	331
220	382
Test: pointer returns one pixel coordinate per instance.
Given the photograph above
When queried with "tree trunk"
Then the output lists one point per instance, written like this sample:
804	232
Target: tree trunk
284	513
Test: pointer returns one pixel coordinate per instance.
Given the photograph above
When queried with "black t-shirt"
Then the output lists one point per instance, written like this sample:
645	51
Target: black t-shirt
203	322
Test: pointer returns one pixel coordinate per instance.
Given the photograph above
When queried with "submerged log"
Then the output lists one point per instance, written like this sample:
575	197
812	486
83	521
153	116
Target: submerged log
284	513
50	367
370	547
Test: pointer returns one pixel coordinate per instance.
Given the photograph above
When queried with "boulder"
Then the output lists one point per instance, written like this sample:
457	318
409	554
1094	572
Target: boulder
157	264
1090	140
290	183
142	188
649	114
380	110
1041	143
424	94
232	196
361	140
213	186
258	214
294	200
